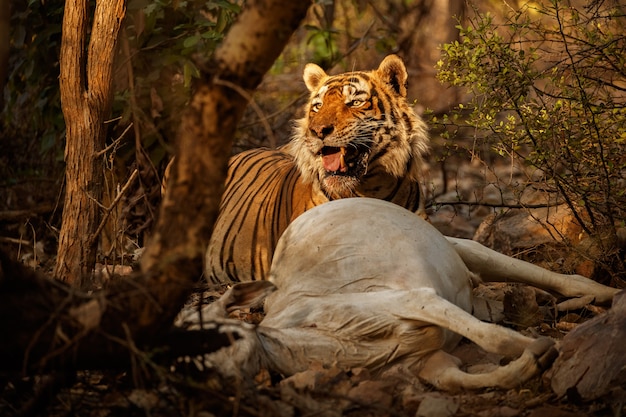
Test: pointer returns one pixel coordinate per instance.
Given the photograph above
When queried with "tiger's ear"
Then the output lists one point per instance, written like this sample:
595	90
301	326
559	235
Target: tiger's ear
313	76
393	72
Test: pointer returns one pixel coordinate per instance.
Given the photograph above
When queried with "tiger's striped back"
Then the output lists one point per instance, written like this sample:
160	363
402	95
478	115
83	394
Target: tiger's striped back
264	192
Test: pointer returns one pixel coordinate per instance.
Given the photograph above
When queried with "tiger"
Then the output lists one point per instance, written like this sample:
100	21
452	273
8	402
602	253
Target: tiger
359	137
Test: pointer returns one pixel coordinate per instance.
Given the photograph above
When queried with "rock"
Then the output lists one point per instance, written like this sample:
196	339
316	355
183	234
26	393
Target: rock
372	393
518	230
436	406
550	237
592	359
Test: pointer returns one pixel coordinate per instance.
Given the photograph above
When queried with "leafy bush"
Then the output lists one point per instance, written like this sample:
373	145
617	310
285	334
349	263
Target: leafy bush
548	86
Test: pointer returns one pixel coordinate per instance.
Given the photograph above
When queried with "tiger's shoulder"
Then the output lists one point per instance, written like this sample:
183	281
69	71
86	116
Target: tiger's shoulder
263	193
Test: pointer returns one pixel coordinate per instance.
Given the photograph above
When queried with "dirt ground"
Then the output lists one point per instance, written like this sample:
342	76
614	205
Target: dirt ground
181	389
158	389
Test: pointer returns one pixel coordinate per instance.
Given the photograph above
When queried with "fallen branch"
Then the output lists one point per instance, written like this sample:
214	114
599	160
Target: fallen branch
13	215
492	205
67	323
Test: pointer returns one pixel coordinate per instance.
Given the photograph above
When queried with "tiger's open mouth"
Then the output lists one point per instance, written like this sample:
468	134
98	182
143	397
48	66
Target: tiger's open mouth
348	161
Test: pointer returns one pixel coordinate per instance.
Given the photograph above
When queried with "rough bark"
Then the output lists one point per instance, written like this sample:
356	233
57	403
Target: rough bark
85	82
63	327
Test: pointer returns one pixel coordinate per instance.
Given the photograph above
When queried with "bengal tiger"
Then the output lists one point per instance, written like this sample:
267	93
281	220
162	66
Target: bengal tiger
359	137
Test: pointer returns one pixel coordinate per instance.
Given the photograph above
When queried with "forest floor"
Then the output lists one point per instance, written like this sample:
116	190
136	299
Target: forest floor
151	389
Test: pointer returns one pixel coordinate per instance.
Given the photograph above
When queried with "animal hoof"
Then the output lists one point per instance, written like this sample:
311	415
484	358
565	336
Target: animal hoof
544	349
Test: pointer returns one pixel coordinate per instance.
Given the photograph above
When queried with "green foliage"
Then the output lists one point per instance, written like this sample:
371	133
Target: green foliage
322	39
32	122
167	33
336	29
164	41
322	42
548	87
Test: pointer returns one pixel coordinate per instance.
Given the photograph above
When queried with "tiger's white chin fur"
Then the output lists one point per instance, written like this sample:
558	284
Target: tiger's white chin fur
339	186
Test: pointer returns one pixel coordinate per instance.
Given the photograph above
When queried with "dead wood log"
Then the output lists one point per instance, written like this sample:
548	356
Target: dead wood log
548	236
50	325
592	361
14	215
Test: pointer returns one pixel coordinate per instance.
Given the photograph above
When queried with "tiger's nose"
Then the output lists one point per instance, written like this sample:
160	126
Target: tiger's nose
321	131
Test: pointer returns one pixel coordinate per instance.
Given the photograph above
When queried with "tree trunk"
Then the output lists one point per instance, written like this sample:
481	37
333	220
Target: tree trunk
426	26
85	82
64	328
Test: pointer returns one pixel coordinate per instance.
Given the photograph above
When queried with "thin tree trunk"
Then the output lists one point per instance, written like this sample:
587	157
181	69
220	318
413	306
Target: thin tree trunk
86	101
426	26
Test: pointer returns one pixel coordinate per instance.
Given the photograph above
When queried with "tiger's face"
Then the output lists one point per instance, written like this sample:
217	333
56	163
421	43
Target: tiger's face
355	123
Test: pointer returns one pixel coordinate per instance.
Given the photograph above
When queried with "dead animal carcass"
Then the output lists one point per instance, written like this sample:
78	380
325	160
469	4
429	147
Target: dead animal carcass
361	282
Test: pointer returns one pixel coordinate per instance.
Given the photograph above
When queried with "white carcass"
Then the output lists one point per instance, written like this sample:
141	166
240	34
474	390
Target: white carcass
365	283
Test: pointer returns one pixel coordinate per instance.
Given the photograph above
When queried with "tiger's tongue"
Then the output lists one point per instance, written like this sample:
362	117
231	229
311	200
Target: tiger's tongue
334	162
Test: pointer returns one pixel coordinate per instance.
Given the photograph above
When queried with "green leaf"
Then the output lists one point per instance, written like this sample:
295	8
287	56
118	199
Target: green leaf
191	41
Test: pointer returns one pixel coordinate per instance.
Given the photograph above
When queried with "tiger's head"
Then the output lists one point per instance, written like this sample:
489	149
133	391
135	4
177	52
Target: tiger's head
357	122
